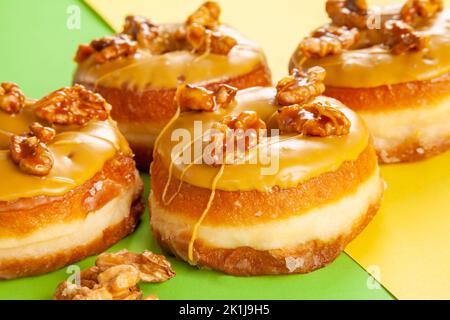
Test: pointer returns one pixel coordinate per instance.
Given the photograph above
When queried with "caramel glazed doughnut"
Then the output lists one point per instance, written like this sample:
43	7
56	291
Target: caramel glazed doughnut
392	65
69	187
138	71
292	214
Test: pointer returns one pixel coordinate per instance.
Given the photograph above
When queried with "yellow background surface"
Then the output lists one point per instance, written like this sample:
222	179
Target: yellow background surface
407	245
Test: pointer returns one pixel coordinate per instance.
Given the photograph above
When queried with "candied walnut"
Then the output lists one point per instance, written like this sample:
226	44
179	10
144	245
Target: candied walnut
301	87
414	11
401	37
207	15
203	40
44	134
32	155
329	40
107	48
12	99
140	29
234	135
313	119
151	267
190	97
350	13
72	105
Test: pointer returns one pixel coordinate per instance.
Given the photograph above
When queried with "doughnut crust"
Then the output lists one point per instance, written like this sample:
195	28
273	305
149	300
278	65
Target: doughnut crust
44	233
235	210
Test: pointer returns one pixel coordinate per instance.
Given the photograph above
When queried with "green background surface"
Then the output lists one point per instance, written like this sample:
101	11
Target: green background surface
36	52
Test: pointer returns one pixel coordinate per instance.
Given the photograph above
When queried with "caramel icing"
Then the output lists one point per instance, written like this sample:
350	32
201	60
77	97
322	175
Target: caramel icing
300	157
79	153
144	70
376	66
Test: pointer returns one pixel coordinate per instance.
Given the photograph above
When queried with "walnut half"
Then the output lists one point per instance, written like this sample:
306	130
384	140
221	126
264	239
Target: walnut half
350	13
414	11
301	86
72	105
196	98
31	153
107	48
329	40
400	37
313	119
12	99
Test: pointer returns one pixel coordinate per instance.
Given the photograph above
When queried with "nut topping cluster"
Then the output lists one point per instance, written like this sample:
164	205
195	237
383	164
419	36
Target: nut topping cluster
329	40
301	113
12	99
301	87
116	276
313	119
199	33
30	152
190	97
351	17
72	105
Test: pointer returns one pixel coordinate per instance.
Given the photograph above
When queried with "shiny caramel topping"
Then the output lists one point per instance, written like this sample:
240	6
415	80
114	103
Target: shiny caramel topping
349	13
31	153
12	99
301	87
107	48
313	119
72	105
116	277
414	11
196	98
400	37
329	40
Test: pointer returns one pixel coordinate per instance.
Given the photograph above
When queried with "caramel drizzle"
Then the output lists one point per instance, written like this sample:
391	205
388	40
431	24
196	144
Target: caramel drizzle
204	213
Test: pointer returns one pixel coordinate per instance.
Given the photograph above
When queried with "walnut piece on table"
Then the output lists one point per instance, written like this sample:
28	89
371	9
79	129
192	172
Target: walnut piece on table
116	276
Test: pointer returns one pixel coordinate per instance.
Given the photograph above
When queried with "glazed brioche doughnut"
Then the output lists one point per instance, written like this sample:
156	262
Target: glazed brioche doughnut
141	79
69	185
400	87
294	214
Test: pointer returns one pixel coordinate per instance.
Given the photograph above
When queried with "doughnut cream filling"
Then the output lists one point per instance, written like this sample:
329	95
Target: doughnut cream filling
427	124
299	158
79	153
375	65
168	70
